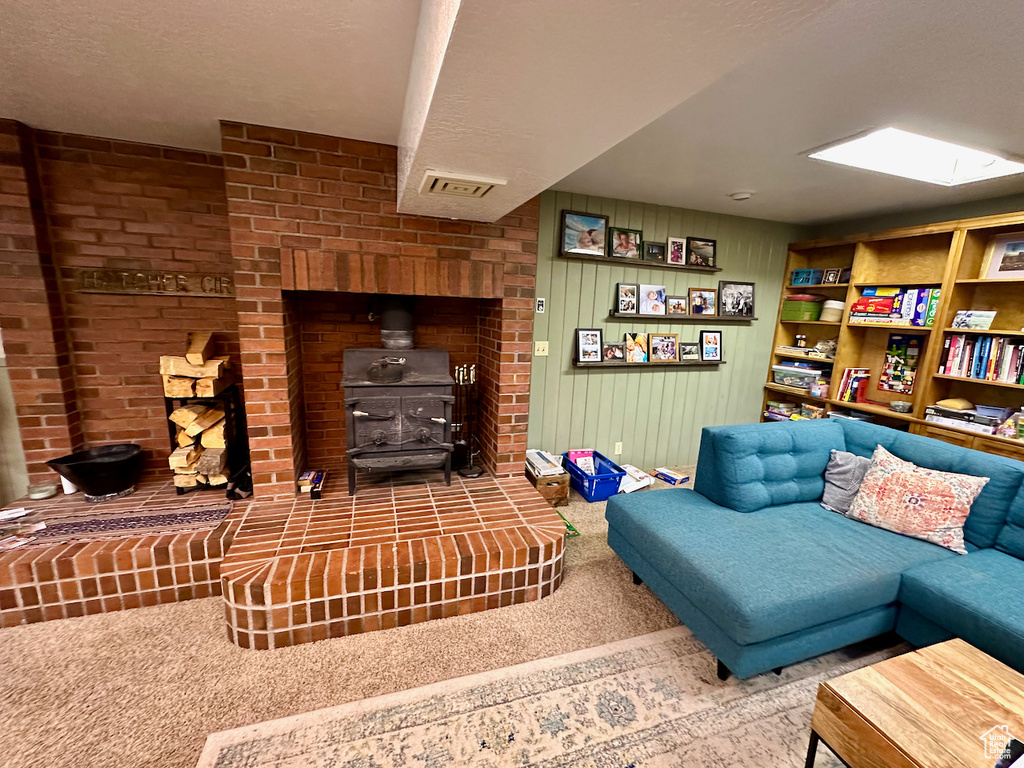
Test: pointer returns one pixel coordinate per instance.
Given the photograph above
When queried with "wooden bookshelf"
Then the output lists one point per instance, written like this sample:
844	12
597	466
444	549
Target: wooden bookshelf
950	256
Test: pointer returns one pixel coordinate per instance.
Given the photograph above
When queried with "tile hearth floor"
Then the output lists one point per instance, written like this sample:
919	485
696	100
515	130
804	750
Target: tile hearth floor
404	549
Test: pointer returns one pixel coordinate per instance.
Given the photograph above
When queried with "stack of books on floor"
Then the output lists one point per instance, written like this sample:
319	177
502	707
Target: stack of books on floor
312	482
987	358
896	306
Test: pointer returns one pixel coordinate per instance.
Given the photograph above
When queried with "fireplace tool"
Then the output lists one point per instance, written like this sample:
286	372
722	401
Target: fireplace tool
465	413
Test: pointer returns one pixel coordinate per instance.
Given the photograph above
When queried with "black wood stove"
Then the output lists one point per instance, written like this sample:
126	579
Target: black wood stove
398	410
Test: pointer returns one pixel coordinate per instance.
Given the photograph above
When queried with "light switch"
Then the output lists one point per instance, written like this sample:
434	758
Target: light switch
540	349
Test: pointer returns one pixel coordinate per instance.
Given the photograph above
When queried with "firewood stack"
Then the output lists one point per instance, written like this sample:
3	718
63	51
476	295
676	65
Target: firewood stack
202	454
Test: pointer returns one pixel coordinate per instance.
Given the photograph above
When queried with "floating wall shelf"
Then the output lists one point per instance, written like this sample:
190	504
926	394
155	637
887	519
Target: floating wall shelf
637	263
681	318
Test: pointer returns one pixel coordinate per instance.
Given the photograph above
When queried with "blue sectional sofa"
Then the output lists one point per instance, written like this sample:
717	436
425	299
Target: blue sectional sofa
765	577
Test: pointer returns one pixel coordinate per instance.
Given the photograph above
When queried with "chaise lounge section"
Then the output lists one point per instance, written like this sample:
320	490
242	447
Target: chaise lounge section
766	577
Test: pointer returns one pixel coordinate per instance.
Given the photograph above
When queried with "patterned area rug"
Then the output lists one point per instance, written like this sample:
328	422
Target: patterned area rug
154	520
654	700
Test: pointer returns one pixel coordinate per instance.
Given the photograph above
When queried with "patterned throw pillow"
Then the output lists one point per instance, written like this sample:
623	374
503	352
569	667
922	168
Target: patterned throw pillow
924	503
843	476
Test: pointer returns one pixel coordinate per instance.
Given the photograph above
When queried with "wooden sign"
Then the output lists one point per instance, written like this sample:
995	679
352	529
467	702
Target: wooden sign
153	282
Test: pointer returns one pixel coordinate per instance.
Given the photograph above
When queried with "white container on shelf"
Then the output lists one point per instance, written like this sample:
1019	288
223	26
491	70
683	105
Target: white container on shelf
832	311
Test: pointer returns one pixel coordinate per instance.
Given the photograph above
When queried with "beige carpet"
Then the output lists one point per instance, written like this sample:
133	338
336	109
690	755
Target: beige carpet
146	687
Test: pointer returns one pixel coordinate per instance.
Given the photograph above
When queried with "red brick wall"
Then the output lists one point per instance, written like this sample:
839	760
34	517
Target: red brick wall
133	206
320	212
332	322
31	319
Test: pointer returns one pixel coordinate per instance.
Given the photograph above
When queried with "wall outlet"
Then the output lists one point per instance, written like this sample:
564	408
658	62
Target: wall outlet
618	449
540	349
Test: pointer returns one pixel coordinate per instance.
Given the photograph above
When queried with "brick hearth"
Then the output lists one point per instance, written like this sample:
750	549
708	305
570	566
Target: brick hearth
41	582
400	552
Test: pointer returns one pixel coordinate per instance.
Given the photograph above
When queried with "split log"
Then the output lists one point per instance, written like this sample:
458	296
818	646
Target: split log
172	365
182	457
217	480
184	439
199	347
186	481
179	386
205	420
188	469
213	461
202	478
187	414
213	387
213	437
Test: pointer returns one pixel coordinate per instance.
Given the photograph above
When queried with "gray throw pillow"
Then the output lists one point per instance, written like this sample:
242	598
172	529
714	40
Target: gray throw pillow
843	476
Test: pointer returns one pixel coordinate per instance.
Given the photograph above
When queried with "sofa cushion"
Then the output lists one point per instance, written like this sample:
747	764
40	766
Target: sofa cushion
768	573
1011	538
927	504
977	597
988	513
750	466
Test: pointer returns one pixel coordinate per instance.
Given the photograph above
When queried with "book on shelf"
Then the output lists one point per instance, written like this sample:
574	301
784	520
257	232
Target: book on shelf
850	382
974	319
896	306
998	359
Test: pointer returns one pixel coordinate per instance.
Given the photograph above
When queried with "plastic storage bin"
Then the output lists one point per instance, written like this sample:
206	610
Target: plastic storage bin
603	484
791	376
801	310
806	277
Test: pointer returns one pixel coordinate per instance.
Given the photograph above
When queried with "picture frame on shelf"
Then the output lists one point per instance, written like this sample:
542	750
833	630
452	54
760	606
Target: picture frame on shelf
1004	258
711	346
974	319
584	234
636	347
655	251
627	298
676	305
614	352
652	299
831	276
676	253
735	298
689	351
703	301
664	347
625	243
701	252
589	347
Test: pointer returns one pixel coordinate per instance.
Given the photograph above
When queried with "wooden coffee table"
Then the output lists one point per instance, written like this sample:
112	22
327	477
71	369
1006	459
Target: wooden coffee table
931	708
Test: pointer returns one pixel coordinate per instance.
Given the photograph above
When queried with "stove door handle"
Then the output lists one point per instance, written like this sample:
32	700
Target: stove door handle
439	420
365	415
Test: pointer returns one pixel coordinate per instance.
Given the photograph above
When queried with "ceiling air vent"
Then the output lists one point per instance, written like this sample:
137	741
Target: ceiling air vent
458	184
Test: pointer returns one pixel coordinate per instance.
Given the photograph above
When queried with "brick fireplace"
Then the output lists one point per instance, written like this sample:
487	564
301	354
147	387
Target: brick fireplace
315	236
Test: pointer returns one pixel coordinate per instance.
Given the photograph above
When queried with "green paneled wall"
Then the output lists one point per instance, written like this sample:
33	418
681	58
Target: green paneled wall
656	414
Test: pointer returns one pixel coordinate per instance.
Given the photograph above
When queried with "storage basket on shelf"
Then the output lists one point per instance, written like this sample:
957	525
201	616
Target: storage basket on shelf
603	484
804	307
792	376
806	277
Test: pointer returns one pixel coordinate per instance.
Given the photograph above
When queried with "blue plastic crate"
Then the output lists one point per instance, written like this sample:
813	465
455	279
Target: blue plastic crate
599	486
806	277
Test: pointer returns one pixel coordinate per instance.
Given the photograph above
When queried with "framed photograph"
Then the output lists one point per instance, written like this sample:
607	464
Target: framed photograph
689	351
703	301
652	299
735	299
627	298
636	347
626	243
676	305
588	345
614	352
1004	257
664	347
585	233
654	251
700	252
831	276
711	346
677	251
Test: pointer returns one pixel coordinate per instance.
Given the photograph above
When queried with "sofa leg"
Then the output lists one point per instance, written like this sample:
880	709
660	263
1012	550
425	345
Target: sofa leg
777	670
636	579
723	671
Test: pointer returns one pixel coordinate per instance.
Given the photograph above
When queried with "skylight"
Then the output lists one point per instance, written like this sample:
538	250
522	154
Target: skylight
912	156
